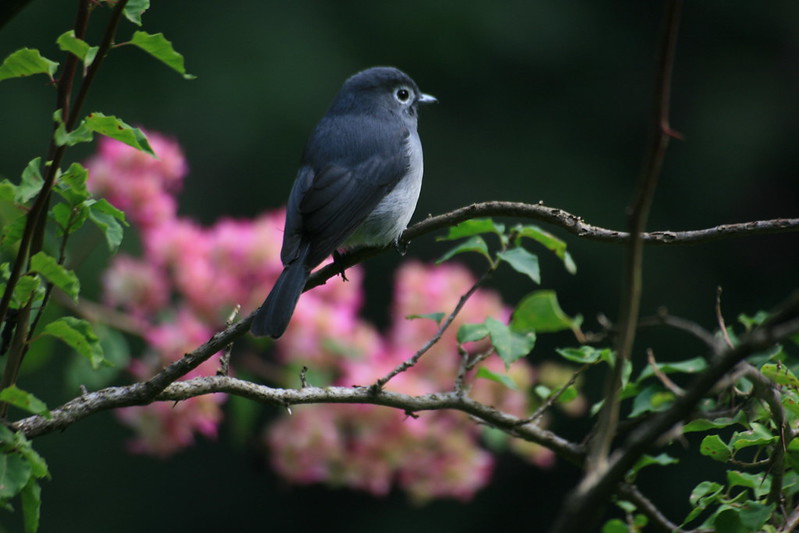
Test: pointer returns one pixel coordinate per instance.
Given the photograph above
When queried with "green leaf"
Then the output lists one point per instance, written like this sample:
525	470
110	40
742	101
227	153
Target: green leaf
550	242
26	287
568	394
712	446
113	127
472	333
583	354
759	484
12	232
72	184
647	460
539	311
704	493
542	391
81	134
8	191
134	10
475	226
160	48
790	400
62	214
751	321
77	47
753	515
615	525
523	262
703	424
727	520
26	62
58	275
31	182
780	374
109	220
78	334
509	345
31	499
652	398
23	446
24	400
690	366
437	317
627	507
495	439
80	373
15	472
502	379
759	435
475	244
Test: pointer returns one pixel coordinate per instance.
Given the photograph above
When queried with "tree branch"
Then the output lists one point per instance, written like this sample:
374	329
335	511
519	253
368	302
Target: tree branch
114	397
633	271
380	383
564	220
586	503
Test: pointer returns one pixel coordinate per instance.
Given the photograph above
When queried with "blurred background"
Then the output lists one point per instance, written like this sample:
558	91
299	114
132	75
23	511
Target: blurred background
539	101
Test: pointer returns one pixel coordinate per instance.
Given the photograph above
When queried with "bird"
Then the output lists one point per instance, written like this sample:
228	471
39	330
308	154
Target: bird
358	183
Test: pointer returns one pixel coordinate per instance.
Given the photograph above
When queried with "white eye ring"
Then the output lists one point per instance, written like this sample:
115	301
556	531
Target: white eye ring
403	95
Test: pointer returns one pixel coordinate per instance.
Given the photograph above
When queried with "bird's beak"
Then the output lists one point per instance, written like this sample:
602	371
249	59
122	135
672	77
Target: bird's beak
427	99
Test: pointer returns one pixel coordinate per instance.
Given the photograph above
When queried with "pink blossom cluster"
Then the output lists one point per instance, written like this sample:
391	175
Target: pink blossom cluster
186	280
428	454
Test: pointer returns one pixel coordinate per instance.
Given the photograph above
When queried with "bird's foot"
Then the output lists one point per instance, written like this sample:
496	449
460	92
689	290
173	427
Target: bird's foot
339	262
401	246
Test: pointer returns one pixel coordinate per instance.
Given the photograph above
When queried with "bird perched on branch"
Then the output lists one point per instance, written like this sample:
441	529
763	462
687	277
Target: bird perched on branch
358	184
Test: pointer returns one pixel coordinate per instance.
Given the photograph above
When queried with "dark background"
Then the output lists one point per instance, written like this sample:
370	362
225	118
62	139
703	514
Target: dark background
540	100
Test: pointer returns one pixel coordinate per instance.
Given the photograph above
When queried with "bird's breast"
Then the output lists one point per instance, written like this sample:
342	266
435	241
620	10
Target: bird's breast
391	216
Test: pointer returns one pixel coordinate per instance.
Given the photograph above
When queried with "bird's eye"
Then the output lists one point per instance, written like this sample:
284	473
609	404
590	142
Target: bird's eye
402	95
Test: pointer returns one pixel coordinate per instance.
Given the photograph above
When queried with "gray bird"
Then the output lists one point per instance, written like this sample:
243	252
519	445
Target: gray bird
358	184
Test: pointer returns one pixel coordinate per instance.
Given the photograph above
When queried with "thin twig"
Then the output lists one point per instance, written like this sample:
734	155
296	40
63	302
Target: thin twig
765	390
224	360
581	509
405	365
664	379
720	319
665	319
562	219
645	505
639	215
550	401
792	522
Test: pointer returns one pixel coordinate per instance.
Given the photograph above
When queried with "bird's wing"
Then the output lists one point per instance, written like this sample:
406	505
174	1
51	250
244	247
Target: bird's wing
341	183
341	198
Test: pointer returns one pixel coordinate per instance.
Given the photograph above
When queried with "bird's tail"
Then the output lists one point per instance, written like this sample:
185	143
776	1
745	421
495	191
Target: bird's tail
274	315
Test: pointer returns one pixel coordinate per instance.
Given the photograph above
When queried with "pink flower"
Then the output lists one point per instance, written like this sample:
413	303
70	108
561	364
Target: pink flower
446	463
137	183
188	279
162	428
139	287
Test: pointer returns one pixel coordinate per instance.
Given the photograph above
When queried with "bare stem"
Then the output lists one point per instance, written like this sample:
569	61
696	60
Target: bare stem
639	215
405	365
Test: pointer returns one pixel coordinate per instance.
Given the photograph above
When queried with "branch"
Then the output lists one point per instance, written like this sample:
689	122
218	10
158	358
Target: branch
32	238
441	329
114	397
582	508
645	505
564	220
577	226
639	215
